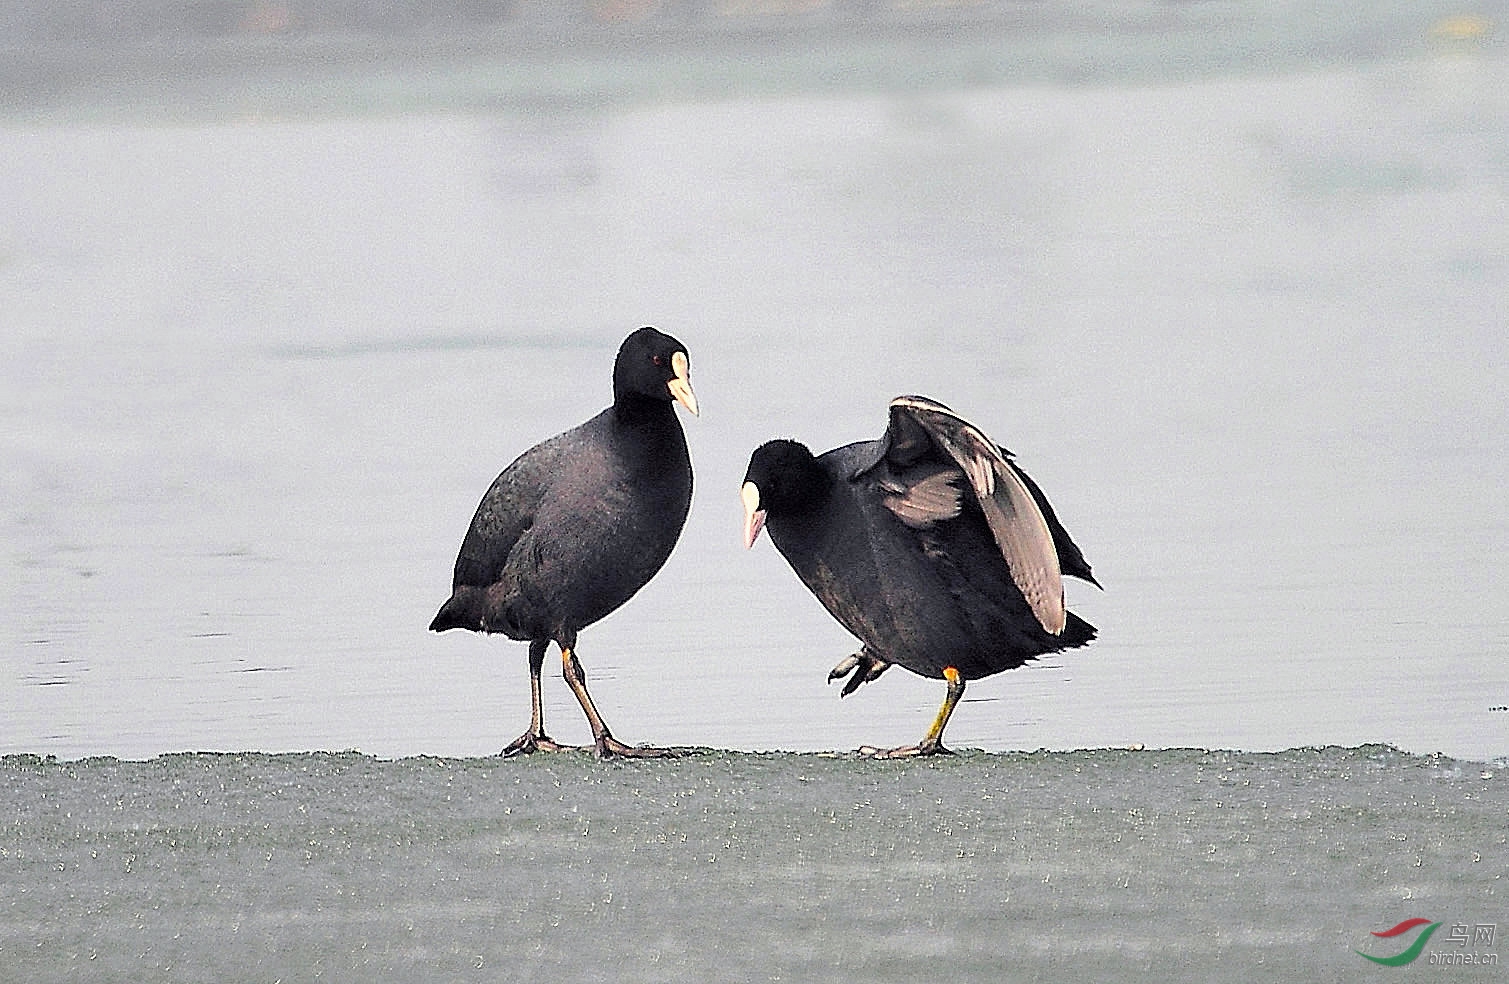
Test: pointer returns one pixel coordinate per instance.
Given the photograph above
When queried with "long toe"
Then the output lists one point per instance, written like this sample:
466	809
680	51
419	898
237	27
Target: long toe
608	746
905	751
530	742
845	666
859	668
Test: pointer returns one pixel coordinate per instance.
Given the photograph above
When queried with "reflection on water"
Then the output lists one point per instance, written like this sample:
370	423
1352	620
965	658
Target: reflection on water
1247	330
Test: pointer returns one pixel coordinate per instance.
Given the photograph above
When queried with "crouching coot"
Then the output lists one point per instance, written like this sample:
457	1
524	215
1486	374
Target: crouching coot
930	544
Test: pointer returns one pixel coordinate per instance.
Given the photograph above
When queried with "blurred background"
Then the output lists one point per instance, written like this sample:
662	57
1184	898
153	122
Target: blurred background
285	285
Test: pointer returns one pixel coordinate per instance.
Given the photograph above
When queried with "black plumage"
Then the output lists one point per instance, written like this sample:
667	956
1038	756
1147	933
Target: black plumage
578	524
930	544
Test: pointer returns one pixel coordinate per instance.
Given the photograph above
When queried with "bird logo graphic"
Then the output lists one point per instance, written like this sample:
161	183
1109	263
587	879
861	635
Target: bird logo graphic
1414	950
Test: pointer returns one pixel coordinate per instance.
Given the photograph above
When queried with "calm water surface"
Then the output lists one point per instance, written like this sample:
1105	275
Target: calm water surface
1247	330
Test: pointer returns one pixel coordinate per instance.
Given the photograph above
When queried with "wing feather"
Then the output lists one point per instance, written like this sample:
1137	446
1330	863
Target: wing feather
1017	524
922	501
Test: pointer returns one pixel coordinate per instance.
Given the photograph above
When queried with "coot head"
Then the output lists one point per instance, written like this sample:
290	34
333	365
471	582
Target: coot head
653	365
782	478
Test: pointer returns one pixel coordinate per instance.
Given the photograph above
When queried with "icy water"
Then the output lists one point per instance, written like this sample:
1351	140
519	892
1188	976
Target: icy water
1089	865
268	343
1232	280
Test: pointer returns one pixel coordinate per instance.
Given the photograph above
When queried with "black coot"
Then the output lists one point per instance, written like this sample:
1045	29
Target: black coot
576	525
930	545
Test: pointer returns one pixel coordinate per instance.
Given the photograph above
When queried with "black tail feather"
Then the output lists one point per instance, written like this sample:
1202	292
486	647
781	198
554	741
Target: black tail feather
1077	632
453	614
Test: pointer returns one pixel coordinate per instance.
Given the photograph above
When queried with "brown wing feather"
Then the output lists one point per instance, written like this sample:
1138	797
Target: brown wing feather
1016	522
924	500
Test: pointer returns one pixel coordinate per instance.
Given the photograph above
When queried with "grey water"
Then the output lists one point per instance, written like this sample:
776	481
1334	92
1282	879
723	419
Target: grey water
1232	281
267	344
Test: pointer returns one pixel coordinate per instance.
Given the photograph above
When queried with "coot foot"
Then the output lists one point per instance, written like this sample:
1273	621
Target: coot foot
932	744
608	746
862	665
906	751
530	741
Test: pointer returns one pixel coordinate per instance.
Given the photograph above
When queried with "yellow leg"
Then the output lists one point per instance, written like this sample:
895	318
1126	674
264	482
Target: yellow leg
932	744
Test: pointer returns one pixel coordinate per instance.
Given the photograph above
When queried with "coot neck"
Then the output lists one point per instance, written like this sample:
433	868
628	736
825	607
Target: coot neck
656	419
633	407
802	493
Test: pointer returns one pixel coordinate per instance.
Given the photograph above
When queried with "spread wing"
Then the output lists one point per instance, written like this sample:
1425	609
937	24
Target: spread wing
919	425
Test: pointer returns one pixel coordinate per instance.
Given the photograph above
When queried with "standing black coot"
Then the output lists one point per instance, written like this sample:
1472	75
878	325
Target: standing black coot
570	530
930	545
